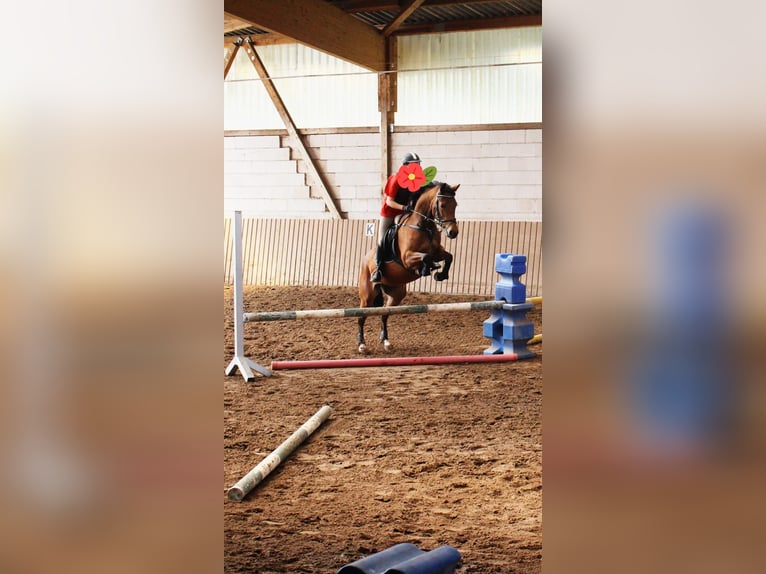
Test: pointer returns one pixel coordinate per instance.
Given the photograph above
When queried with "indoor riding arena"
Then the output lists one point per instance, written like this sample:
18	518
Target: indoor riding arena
430	455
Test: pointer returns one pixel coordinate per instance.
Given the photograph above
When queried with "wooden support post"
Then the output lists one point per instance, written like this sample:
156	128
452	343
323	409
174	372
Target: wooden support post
230	60
385	147
387	96
314	173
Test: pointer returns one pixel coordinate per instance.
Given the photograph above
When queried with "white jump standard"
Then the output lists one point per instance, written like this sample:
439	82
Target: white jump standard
240	361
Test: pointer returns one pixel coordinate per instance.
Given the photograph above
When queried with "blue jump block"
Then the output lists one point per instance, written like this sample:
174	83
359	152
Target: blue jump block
508	328
406	558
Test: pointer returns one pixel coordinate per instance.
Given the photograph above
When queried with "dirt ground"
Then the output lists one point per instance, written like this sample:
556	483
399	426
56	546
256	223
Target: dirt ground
430	455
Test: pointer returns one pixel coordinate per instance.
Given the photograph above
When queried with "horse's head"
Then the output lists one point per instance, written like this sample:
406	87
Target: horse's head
443	209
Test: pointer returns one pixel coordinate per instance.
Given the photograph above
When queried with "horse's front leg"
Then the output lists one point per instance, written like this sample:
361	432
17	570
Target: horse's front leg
419	262
360	336
444	273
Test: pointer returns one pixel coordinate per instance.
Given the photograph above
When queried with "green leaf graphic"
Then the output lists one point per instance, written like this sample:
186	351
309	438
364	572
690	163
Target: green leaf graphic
430	173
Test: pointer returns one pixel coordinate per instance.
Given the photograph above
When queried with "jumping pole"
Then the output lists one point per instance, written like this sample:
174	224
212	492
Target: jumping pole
372	311
264	468
392	361
240	361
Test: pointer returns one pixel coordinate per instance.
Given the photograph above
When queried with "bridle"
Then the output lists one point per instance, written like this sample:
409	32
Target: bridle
437	219
437	212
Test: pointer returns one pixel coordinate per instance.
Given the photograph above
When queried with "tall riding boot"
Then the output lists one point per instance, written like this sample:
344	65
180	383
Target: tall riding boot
377	276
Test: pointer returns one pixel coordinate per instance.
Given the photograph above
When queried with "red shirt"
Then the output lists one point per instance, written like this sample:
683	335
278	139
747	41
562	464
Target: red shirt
392	189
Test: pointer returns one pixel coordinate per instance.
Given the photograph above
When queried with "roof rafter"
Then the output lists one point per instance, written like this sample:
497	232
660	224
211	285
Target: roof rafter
401	17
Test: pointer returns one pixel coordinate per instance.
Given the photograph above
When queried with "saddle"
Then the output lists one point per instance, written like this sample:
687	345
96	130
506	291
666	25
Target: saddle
390	248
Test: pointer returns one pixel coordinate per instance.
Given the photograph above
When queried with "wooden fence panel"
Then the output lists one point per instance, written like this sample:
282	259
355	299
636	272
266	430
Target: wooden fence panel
325	252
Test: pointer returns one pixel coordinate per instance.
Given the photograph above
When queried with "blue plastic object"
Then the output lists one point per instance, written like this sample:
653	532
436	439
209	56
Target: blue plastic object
443	560
406	558
508	328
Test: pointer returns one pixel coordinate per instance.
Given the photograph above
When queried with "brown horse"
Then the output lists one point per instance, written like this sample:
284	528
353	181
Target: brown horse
418	252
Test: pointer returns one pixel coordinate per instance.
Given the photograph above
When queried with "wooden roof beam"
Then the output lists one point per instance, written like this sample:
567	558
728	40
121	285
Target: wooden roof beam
258	40
401	17
317	24
270	39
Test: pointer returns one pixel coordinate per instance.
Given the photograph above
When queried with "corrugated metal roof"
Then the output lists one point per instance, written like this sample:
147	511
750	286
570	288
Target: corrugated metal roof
440	12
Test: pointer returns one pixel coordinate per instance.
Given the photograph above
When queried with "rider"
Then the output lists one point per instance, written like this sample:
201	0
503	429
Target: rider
389	210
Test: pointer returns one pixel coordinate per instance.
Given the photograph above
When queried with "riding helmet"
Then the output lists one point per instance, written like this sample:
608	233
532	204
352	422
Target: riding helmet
411	157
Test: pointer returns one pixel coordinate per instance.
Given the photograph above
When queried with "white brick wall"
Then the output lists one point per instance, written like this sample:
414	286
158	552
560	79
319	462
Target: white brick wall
500	172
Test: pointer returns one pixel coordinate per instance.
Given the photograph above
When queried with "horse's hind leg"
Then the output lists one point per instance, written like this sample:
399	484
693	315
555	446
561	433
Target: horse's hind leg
375	302
362	348
393	296
369	295
384	333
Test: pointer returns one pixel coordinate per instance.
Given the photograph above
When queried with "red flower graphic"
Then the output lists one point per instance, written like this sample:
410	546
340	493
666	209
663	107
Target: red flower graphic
411	177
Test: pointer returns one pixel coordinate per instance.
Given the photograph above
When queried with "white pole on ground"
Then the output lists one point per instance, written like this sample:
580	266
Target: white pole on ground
264	468
240	361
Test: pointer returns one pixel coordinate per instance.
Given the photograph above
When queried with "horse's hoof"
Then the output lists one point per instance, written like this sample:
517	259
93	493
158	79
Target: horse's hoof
363	348
387	345
441	276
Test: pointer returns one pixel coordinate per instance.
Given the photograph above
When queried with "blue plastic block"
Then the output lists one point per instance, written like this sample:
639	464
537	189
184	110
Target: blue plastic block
510	264
406	558
509	330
